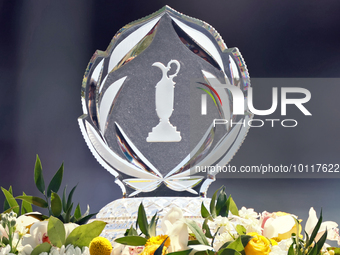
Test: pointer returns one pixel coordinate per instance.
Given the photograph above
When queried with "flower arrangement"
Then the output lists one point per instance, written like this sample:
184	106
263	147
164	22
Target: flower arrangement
223	230
59	232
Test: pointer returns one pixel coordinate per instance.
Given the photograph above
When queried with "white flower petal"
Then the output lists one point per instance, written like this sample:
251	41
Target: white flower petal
77	251
3	232
117	249
24	221
276	250
327	225
5	250
69	227
311	221
279	225
25	250
166	226
178	236
201	247
172	216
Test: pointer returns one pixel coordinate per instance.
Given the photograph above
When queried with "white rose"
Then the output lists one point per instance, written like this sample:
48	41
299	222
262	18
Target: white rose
176	229
172	216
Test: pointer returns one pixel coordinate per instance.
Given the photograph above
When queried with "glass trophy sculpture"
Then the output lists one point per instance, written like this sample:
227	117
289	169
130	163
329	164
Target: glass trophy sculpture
163	107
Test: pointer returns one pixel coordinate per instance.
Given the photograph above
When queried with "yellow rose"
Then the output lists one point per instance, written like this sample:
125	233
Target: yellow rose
258	245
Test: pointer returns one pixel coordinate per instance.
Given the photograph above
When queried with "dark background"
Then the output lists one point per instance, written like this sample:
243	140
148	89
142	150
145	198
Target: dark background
45	48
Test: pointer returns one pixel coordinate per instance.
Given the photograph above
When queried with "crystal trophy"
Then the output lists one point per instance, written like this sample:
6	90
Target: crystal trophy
163	103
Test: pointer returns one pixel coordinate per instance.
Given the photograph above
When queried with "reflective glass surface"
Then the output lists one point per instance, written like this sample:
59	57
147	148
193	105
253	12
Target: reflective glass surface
159	103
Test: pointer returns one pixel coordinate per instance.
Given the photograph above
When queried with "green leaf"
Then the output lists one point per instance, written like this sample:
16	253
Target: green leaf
307	237
241	230
77	213
209	252
204	212
206	252
193	242
221	204
225	245
159	250
206	228
56	231
228	251
131	232
212	204
132	240
37	216
314	251
67	215
9	210
315	231
291	250
11	201
196	230
245	239
186	252
321	242
56	205
85	219
83	235
153	225
69	199
142	221
26	207
44	247
34	200
236	245
38	176
6	204
64	200
56	181
232	206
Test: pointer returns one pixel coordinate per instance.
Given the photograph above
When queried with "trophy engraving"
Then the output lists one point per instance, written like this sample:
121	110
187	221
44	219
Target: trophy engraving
164	131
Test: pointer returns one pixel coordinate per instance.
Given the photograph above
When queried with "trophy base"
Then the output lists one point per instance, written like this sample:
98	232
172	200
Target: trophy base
122	213
164	132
